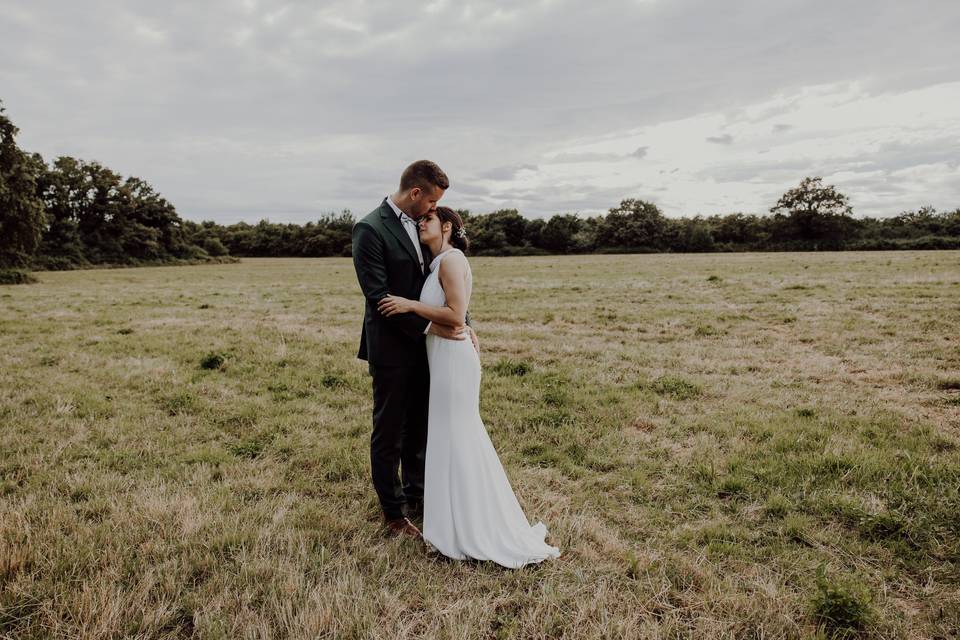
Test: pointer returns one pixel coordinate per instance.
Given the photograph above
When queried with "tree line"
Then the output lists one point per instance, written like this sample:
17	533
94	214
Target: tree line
810	217
73	213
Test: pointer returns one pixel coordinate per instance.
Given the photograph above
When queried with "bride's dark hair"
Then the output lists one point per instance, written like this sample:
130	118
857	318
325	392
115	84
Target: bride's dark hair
458	234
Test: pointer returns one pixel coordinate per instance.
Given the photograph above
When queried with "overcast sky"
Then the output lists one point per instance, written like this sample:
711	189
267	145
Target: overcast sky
286	110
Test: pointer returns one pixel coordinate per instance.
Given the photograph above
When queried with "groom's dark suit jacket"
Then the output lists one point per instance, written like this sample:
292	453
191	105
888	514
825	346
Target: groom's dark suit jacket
386	263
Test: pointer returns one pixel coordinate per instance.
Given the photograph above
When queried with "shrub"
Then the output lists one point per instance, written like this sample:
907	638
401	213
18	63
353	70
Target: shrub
333	381
881	526
58	263
731	487
213	360
252	447
676	387
841	606
706	330
179	403
16	276
777	506
507	367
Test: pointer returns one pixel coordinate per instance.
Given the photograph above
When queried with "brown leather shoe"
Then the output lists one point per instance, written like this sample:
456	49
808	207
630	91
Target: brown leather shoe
402	527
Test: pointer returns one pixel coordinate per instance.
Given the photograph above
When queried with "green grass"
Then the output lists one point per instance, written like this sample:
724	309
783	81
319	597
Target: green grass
739	445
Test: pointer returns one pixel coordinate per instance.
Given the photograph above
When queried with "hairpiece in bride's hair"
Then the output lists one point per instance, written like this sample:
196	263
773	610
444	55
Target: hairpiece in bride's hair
457	230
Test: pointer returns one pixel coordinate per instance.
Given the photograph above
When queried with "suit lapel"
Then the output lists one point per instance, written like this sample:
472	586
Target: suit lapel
392	222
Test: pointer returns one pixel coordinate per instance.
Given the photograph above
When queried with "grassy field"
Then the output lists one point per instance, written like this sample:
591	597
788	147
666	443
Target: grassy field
747	445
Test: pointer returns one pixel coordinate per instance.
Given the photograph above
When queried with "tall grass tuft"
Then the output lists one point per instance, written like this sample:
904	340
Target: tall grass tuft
841	606
676	387
214	361
507	367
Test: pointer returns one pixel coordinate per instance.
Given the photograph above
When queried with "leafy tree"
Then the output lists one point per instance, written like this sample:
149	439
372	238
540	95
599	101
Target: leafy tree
559	232
80	212
585	239
205	235
635	224
148	225
96	216
816	215
495	232
486	238
925	221
21	211
951	223
738	231
511	223
692	234
214	247
533	233
61	246
330	236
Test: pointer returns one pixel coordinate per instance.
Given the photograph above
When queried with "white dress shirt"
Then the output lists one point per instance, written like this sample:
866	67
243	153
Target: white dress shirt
411	230
410	226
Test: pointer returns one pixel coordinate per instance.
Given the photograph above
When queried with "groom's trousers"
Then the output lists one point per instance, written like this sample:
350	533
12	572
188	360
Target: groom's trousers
401	397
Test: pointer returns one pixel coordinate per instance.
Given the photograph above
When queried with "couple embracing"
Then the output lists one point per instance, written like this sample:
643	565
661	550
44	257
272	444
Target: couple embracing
423	356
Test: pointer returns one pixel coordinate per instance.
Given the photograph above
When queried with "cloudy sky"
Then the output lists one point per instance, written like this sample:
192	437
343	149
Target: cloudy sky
242	110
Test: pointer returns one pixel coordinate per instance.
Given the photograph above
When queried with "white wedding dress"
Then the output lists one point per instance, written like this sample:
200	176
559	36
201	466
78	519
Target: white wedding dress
469	508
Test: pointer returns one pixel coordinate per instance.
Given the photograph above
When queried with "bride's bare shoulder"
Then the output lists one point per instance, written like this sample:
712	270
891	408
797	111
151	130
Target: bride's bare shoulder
454	262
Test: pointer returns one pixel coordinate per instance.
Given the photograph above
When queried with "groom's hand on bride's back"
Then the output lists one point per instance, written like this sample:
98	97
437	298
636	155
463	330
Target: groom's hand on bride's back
448	332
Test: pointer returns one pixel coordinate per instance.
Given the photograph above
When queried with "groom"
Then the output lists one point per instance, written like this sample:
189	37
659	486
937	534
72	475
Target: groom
389	259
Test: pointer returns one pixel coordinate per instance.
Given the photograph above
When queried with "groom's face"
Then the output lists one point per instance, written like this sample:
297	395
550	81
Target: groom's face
424	201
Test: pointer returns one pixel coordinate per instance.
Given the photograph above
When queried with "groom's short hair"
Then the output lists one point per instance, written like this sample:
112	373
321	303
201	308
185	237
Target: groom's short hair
423	174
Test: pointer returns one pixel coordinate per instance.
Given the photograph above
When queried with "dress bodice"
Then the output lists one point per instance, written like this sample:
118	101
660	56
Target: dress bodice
432	292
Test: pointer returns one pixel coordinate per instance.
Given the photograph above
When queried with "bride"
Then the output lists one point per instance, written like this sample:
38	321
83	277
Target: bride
469	508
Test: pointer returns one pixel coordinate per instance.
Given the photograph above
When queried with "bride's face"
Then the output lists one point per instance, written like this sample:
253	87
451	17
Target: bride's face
431	228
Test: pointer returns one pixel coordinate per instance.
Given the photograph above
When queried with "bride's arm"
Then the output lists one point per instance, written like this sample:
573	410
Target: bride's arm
453	277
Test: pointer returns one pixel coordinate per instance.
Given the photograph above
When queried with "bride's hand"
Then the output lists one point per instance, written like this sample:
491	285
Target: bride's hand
392	305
